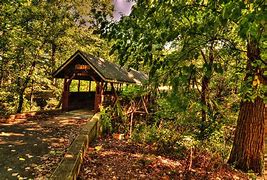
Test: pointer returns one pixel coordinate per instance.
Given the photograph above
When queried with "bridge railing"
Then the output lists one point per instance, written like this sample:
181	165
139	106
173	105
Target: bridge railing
70	165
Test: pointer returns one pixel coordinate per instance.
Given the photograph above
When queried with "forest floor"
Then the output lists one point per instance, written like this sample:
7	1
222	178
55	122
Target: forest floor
32	146
120	159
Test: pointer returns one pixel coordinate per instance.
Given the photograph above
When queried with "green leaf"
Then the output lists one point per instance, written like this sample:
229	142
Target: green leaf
207	69
21	159
218	68
227	10
52	152
98	148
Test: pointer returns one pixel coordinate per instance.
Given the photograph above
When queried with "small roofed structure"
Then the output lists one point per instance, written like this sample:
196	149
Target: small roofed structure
83	66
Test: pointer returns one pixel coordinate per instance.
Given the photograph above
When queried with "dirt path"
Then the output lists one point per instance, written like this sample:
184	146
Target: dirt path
115	159
32	147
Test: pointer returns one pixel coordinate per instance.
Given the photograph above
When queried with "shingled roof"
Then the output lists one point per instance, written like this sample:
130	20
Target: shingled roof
107	71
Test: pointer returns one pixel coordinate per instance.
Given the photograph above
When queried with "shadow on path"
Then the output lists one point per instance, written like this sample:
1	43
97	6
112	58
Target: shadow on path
33	147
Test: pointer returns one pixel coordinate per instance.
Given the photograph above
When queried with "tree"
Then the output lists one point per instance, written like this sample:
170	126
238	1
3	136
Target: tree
185	39
35	36
247	152
185	49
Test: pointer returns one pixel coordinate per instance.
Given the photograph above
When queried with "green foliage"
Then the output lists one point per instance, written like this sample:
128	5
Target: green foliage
119	123
173	105
198	49
106	120
219	142
252	175
183	110
132	92
7	102
84	86
164	138
35	38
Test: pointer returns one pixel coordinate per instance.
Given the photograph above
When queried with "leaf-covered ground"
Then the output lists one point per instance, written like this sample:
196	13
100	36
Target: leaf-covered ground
120	159
32	146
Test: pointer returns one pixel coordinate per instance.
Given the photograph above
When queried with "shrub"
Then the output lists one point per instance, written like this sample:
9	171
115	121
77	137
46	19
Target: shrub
106	120
162	137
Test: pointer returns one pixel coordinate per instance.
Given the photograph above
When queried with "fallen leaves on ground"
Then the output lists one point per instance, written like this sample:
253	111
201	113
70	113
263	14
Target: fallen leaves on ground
121	159
37	143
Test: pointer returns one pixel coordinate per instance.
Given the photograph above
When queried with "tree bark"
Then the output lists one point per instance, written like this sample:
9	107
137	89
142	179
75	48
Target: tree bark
53	56
31	95
247	152
204	90
53	62
21	100
3	49
22	87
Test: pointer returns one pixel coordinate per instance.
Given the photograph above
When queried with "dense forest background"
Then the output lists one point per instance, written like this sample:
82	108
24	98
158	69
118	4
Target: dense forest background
35	38
209	55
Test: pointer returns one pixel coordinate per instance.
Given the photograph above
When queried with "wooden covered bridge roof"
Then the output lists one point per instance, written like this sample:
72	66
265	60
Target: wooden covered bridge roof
99	69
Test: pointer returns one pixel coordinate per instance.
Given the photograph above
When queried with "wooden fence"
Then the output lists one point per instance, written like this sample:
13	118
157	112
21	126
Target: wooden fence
69	167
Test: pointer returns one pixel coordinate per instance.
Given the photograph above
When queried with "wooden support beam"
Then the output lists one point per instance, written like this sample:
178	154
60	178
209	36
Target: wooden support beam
89	86
66	90
113	90
101	92
98	96
71	78
117	87
105	86
65	96
79	84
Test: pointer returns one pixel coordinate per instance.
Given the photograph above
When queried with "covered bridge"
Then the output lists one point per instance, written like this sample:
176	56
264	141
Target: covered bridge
108	77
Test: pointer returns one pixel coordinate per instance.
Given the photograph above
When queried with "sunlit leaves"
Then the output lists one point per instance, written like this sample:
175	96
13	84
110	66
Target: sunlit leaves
232	10
29	29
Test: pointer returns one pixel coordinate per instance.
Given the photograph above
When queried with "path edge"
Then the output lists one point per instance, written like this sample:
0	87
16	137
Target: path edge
69	167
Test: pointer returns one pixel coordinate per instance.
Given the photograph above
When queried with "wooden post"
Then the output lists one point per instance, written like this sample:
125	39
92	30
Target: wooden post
102	93
105	86
65	96
98	95
113	90
79	84
89	86
117	87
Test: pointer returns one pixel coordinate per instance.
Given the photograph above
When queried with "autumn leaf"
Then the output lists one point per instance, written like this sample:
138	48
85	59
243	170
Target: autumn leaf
98	148
21	159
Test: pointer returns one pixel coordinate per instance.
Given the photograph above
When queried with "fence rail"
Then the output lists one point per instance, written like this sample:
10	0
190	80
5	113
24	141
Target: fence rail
69	167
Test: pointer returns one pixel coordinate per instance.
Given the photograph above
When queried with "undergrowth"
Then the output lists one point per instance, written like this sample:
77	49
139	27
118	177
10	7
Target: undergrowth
172	126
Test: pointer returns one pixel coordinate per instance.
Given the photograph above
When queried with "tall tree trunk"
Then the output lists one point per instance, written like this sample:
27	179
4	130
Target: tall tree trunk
31	95
204	89
203	97
3	49
22	87
53	56
21	100
53	61
247	151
